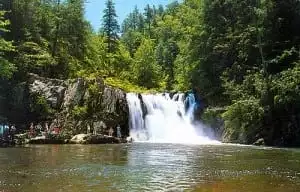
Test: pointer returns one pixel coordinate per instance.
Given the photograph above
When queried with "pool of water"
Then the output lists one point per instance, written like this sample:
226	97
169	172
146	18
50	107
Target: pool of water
149	167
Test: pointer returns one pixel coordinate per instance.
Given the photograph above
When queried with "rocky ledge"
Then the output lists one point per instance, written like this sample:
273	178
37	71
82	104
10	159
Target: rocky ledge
21	139
45	140
95	139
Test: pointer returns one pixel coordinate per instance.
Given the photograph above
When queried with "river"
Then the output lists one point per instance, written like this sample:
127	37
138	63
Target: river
149	167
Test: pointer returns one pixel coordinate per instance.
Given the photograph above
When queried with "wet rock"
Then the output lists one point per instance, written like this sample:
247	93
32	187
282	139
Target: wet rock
259	142
95	139
21	138
143	105
129	139
45	140
79	139
6	143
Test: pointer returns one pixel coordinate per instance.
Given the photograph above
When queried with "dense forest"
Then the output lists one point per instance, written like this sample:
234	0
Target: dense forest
242	57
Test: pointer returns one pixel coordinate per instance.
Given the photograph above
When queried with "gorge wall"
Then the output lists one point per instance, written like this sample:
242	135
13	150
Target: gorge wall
75	106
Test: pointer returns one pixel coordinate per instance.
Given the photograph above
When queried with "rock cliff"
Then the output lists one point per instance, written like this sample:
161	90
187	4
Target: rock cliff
75	106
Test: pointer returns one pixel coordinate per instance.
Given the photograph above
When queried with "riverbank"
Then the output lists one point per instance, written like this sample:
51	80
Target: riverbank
23	139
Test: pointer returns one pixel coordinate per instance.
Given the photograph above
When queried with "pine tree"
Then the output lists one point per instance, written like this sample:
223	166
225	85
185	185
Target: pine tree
160	10
149	16
110	26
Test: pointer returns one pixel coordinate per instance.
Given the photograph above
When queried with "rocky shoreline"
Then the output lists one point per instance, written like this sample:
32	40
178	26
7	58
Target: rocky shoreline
23	139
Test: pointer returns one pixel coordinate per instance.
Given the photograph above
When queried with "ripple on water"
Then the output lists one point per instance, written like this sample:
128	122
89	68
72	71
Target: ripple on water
149	167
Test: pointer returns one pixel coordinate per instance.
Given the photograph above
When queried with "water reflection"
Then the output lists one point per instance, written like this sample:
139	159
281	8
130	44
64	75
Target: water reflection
148	167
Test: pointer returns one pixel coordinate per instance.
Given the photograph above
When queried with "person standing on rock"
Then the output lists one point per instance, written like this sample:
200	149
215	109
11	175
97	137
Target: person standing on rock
13	132
46	127
39	128
31	130
110	132
119	135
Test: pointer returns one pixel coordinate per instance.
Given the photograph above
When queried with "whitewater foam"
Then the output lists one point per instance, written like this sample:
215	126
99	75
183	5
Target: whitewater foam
161	119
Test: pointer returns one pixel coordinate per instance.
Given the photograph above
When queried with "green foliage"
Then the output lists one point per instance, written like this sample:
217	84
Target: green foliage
6	67
145	69
128	86
110	26
33	58
79	112
40	108
212	116
132	40
95	57
243	120
287	87
49	37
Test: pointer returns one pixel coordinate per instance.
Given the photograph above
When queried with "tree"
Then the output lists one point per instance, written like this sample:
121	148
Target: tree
146	71
168	32
132	40
149	16
95	56
131	22
6	67
133	31
110	26
160	10
33	58
76	28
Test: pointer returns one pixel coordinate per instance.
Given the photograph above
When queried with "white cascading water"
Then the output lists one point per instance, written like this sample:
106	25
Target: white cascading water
160	119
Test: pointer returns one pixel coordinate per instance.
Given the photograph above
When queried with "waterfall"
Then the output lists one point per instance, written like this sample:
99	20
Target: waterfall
161	118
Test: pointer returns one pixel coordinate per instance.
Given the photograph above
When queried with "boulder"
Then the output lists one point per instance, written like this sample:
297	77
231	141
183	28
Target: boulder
259	142
45	140
95	139
79	139
21	138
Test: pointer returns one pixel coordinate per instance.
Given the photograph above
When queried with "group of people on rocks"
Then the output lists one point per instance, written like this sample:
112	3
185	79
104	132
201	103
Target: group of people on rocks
7	132
38	129
102	128
111	131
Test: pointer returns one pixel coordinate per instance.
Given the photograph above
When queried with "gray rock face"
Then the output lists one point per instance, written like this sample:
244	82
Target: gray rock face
75	93
76	106
53	90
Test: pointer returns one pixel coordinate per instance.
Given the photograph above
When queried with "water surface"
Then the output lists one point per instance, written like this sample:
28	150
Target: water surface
149	167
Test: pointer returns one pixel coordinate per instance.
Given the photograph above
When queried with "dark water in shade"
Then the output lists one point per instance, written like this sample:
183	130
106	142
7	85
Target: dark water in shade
149	167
